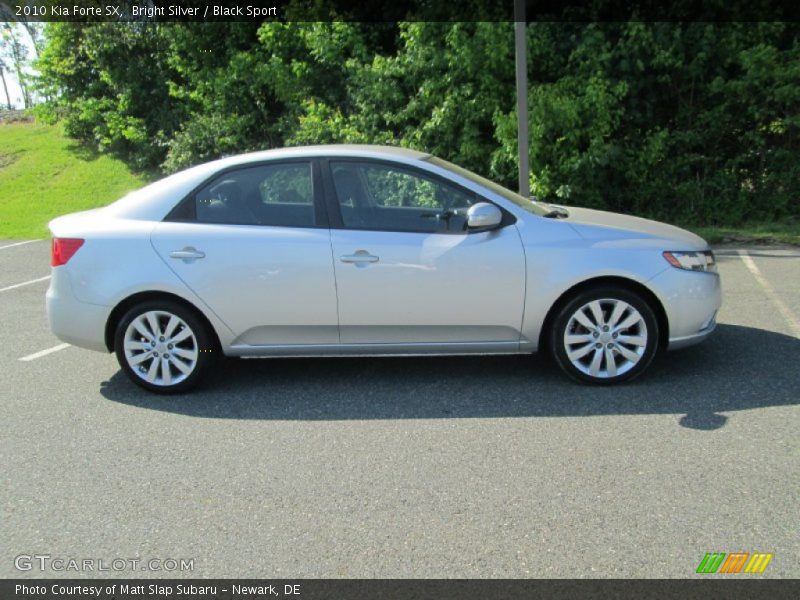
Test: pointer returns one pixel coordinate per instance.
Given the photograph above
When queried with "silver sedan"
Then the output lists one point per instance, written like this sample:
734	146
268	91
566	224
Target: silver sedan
369	250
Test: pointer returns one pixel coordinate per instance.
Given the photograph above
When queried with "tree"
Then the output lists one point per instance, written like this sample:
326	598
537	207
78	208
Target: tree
14	49
690	122
35	31
259	83
5	85
111	84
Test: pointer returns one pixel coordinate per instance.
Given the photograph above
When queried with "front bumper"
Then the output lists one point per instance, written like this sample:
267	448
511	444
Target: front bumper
72	321
691	301
676	343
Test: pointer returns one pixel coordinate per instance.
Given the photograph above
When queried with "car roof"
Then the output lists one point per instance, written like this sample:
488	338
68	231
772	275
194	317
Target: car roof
342	150
406	155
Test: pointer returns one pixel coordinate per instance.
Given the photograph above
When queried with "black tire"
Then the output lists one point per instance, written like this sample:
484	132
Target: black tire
645	333
201	340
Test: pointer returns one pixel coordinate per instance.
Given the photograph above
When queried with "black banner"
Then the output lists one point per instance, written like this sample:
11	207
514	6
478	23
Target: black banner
390	589
88	11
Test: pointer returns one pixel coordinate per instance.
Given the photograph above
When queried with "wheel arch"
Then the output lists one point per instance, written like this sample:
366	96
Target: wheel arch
126	304
628	284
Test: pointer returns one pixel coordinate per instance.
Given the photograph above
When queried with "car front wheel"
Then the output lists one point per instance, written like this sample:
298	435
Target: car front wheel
604	336
162	346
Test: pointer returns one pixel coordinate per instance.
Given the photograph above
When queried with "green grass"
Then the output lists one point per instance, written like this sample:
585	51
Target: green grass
754	233
44	174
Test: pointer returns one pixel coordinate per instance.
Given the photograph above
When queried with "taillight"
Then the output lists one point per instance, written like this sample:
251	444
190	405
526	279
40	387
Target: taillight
63	249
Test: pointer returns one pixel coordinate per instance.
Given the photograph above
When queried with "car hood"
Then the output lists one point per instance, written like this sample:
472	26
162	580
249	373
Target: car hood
603	225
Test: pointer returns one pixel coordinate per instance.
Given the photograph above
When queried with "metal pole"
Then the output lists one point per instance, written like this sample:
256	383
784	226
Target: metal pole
522	96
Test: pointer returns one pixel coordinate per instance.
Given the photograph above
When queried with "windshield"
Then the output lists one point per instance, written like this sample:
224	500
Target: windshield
532	206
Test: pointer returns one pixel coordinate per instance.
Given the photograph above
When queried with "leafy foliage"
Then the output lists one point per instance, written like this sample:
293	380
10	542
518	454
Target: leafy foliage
110	83
691	122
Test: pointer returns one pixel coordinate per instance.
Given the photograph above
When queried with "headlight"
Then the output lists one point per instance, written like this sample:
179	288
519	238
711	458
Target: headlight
692	261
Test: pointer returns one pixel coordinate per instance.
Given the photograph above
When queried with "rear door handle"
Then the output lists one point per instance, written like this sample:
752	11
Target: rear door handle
188	254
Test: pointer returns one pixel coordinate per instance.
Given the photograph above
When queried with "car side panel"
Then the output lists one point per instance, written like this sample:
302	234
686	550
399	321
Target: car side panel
271	285
558	259
430	288
115	262
78	323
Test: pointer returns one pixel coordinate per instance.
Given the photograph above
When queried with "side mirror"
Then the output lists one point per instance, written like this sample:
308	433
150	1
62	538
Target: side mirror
483	216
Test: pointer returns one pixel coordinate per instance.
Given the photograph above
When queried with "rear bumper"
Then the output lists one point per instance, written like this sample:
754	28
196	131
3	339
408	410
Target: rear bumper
691	301
77	323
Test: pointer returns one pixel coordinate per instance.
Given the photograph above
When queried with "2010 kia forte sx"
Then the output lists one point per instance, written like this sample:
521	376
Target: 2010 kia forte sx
368	250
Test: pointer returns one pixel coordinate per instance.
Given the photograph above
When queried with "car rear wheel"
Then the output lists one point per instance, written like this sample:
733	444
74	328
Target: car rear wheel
163	347
604	336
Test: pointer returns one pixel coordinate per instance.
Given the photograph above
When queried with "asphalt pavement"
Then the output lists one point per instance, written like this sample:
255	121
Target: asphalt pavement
407	467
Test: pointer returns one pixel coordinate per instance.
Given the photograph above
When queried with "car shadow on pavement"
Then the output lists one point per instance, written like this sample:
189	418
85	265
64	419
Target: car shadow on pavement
738	368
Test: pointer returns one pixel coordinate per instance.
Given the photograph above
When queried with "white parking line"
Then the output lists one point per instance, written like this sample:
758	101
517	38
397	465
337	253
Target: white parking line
36	355
16	285
18	244
794	322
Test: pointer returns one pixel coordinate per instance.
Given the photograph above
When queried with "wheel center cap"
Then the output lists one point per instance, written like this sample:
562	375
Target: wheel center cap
605	337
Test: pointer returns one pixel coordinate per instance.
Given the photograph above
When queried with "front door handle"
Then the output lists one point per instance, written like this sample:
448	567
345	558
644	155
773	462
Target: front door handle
360	257
187	254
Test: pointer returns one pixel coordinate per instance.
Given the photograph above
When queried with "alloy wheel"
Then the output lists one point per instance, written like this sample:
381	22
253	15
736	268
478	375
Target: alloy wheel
160	348
605	338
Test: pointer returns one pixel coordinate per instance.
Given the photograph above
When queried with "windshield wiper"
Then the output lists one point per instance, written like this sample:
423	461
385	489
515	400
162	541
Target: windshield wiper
556	213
